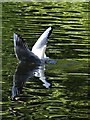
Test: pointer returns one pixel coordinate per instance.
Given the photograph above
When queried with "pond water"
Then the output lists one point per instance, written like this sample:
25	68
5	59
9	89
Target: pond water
64	96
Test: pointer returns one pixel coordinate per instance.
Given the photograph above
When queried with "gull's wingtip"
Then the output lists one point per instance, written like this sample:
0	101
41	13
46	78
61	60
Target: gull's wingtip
50	30
51	27
14	35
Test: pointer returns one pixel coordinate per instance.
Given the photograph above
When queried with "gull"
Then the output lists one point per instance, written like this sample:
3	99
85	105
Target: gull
37	54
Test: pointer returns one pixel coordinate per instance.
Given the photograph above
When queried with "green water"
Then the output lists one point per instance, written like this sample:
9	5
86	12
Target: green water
67	98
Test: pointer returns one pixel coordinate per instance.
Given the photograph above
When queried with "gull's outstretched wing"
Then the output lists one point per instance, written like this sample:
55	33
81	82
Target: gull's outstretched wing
22	51
40	46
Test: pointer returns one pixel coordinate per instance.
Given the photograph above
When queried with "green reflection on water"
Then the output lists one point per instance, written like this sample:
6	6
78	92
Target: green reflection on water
67	98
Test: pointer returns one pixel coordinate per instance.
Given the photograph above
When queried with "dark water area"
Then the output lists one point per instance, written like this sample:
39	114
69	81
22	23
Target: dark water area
64	94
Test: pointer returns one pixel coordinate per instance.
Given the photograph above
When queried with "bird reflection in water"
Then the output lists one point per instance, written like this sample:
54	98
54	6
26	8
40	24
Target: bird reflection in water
23	73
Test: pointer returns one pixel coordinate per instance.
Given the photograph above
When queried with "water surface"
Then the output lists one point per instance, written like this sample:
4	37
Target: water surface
66	98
